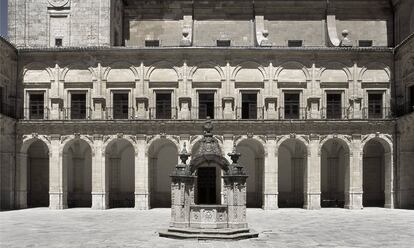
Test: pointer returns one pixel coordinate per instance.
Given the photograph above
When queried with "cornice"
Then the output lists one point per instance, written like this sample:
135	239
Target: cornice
236	127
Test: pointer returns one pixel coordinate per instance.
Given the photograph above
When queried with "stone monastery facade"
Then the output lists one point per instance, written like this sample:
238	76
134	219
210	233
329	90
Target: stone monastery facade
98	97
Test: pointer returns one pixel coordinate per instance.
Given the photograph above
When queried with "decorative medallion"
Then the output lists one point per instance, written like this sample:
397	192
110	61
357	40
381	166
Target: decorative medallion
59	3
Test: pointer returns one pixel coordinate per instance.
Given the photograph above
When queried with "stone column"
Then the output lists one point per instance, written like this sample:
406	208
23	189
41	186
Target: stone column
228	144
353	175
141	175
389	180
100	199
313	175
270	187
21	181
57	175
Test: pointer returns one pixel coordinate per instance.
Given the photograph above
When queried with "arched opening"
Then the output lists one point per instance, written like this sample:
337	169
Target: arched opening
120	163
374	160
334	162
38	175
292	159
162	156
77	165
252	159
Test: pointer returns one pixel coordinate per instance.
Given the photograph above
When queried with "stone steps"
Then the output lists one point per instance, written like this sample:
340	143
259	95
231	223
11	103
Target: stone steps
191	233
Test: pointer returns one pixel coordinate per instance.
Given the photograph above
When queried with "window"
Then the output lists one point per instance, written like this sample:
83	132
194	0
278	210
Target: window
333	106
152	43
2	110
411	106
295	43
78	106
249	106
58	42
375	105
163	106
292	106
206	105
36	106
120	105
223	43
365	43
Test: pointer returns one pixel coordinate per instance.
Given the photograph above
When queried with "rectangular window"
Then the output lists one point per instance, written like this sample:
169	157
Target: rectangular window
249	106
375	105
365	43
36	106
411	107
333	106
78	106
152	43
120	105
295	43
163	106
58	42
206	105
292	105
2	110
223	43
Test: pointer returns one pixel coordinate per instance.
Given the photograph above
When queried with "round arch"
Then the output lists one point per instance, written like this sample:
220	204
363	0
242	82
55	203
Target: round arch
77	155
334	161
162	159
377	172
292	161
253	156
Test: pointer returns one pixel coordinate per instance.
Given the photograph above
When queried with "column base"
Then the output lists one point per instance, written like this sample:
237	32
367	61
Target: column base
57	200
353	201
100	200
21	199
389	200
312	201
270	202
141	201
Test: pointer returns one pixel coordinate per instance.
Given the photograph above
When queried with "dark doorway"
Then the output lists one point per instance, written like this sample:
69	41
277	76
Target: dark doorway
163	106
375	105
291	105
78	106
206	185
333	106
120	105
411	106
206	108
249	106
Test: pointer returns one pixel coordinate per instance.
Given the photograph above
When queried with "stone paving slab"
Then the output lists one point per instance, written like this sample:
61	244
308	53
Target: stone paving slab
371	227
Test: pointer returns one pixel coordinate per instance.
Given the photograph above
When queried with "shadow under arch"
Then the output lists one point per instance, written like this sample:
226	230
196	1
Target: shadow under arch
335	157
253	154
162	159
292	161
77	172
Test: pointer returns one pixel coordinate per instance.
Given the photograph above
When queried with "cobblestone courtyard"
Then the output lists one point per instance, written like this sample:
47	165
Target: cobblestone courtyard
371	227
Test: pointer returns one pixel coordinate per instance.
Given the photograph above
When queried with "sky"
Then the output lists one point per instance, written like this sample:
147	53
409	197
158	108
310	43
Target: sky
3	17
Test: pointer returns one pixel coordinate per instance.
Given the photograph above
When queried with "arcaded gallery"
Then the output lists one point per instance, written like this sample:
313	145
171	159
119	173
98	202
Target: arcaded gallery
97	104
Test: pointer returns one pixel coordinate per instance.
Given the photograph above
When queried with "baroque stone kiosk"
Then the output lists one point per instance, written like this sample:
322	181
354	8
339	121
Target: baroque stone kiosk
196	211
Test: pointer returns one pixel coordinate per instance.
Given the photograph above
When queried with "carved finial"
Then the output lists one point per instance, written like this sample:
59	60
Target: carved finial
208	127
184	155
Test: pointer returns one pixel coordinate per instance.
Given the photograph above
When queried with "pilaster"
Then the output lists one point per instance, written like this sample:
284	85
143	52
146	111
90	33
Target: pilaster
353	176
141	175
57	175
270	184
100	199
313	175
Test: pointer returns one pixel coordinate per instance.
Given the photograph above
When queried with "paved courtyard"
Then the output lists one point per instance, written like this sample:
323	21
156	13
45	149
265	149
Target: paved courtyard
372	227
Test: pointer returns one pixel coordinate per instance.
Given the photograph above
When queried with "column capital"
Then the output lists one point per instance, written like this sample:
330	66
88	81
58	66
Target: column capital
55	137
228	136
314	137
141	137
356	136
185	137
271	137
97	137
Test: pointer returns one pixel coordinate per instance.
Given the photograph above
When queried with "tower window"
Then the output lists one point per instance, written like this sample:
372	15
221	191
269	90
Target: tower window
365	43
58	42
295	43
223	43
152	43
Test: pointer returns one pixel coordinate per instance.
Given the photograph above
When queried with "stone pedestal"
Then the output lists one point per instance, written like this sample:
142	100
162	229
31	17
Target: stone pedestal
182	197
100	200
228	108
58	200
235	199
142	108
